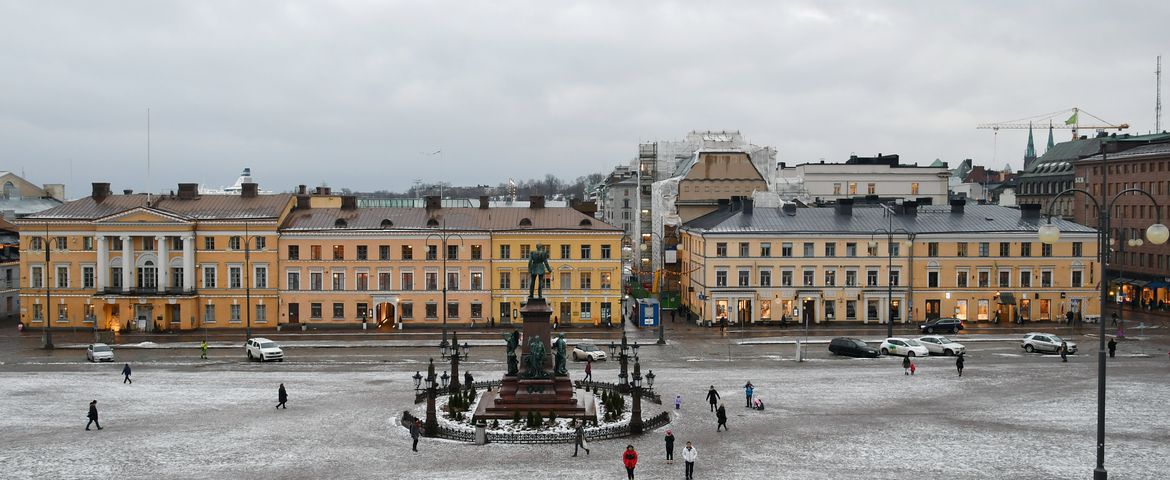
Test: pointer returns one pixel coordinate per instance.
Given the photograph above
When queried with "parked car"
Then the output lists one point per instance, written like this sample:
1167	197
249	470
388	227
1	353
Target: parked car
263	349
907	347
99	352
1045	342
588	351
942	345
852	347
949	325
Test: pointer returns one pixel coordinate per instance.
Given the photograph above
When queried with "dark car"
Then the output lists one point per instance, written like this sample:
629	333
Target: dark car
950	325
852	347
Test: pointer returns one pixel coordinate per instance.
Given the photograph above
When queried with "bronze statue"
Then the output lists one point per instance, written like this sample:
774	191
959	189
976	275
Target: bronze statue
559	367
537	267
513	340
535	358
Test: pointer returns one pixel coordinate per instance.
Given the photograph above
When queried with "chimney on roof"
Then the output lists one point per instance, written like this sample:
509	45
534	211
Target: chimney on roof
736	203
249	189
484	201
301	189
1030	211
910	208
747	205
322	191
101	190
536	201
304	202
433	202
348	202
55	190
188	191
844	207
723	203
958	204
127	192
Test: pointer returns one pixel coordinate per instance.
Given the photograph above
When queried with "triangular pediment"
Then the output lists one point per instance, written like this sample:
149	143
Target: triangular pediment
143	215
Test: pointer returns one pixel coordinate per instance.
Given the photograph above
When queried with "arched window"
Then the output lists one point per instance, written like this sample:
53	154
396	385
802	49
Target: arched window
432	223
585	223
340	223
10	190
525	222
386	223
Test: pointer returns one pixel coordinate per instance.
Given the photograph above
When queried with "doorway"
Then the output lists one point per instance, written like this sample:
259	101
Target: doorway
294	313
144	317
384	313
933	309
744	313
808	311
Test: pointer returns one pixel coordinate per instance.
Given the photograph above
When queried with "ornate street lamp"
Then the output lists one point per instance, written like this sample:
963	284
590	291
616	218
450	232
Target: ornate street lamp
431	423
908	243
443	237
650	381
636	412
621	352
1157	234
452	351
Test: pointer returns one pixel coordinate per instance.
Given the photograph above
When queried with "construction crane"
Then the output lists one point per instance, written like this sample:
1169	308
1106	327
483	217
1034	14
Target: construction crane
1072	122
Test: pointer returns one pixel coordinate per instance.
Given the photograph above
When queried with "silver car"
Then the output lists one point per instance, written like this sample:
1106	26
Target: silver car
940	345
1045	342
99	352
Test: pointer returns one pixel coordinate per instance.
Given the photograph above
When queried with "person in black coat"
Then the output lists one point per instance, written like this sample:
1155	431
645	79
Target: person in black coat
959	364
126	373
281	397
721	415
713	397
415	431
669	446
1112	347
1063	352
93	415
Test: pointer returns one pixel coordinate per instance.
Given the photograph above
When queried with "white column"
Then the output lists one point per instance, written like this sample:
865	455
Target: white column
127	262
103	255
164	263
188	262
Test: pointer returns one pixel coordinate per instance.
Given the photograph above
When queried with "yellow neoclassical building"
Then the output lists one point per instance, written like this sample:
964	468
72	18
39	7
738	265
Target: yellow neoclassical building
184	261
973	262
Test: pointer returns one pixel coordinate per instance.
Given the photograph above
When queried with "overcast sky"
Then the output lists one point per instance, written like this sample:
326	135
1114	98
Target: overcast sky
359	94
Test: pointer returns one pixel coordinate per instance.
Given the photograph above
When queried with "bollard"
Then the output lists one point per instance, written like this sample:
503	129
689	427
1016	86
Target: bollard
481	432
799	351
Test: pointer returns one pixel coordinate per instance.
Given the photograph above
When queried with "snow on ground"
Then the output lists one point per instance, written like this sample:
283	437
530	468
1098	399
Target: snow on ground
845	420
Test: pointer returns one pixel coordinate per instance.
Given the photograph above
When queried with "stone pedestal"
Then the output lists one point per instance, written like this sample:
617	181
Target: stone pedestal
527	392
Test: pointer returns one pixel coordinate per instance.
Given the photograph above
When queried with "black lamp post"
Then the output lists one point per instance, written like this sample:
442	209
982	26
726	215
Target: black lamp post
621	352
431	424
636	411
443	237
890	266
1157	234
455	353
47	333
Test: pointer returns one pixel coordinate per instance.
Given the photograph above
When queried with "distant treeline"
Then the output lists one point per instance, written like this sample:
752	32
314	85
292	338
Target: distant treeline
550	186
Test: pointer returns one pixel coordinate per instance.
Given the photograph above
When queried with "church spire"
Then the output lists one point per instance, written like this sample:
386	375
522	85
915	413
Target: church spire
1030	153
1050	144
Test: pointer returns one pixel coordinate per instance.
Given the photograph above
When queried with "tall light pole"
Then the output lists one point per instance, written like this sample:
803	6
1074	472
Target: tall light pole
909	243
444	236
247	281
47	334
455	353
1156	234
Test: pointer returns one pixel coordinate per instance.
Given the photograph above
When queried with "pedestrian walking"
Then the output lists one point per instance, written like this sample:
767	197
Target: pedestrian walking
93	416
588	369
669	447
721	415
203	350
1114	316
1112	347
281	397
747	391
630	460
959	364
906	365
689	456
468	379
913	367
415	432
1064	351
678	401
580	439
713	397
126	374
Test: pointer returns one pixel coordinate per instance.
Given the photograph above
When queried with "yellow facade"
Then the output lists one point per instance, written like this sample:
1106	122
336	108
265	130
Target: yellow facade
585	285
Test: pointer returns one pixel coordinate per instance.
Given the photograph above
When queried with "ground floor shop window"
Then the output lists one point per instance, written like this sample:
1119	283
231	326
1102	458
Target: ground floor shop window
765	309
721	309
851	309
1045	309
830	309
871	310
984	310
961	310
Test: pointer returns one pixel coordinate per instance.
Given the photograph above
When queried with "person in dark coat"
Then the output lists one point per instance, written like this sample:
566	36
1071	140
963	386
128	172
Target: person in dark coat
713	397
93	416
415	431
630	460
579	439
281	397
1063	351
588	369
747	391
126	373
669	446
721	415
468	379
906	365
959	363
1112	347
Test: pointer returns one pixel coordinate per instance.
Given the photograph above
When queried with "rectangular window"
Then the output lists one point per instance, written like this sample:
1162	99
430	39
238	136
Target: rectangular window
765	278
62	277
871	278
721	278
407	281
316	281
339	252
1005	249
851	309
384	280
261	313
477	310
362	280
338	281
208	277
1046	278
234	243
294	252
983	308
363	311
586	280
606	280
830	309
431	280
294	280
259	276
315	310
914	188
407	252
808	278
743	249
383	252
505	280
566	280
721	249
525	251
565	250
116	277
260	243
476	252
208	243
314	252
830	278
586	310
363	252
452	280
1045	250
87	243
786	278
147	243
895	249
786	249
452	309
407	310
984	249
932	279
871	188
432	252
87	276
744	278
208	314
235	277
432	310
235	314
505	252
477	280
851	278
1026	278
338	310
765	249
850	249
607	251
853	188
586	254
1077	278
1078	249
808	249
1025	249
932	249
1005	278
831	249
984	277
452	252
962	249
895	277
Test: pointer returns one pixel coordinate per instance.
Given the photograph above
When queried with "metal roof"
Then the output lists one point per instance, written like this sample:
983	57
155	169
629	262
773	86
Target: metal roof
204	207
484	219
865	220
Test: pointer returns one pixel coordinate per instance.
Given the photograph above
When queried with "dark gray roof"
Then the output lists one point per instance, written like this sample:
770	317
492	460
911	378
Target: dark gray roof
482	219
1059	159
1144	151
203	207
865	220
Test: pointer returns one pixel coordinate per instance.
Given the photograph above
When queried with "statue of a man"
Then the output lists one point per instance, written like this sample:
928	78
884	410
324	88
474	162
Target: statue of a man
559	367
535	358
513	340
537	267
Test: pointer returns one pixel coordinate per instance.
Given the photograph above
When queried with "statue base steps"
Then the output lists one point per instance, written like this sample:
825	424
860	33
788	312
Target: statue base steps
535	395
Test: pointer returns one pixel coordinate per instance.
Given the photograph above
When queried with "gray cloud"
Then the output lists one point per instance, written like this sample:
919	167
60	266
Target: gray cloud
350	93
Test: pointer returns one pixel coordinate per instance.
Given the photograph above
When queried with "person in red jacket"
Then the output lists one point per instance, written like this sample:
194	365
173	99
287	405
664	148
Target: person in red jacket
630	460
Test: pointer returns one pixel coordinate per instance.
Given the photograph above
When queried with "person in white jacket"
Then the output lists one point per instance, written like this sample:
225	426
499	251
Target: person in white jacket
689	455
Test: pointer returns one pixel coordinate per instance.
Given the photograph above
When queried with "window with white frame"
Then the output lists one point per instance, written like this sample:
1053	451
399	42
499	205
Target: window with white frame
294	280
586	310
209	280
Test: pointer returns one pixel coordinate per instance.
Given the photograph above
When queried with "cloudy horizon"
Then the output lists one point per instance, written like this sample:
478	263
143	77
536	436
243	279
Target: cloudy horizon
360	94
